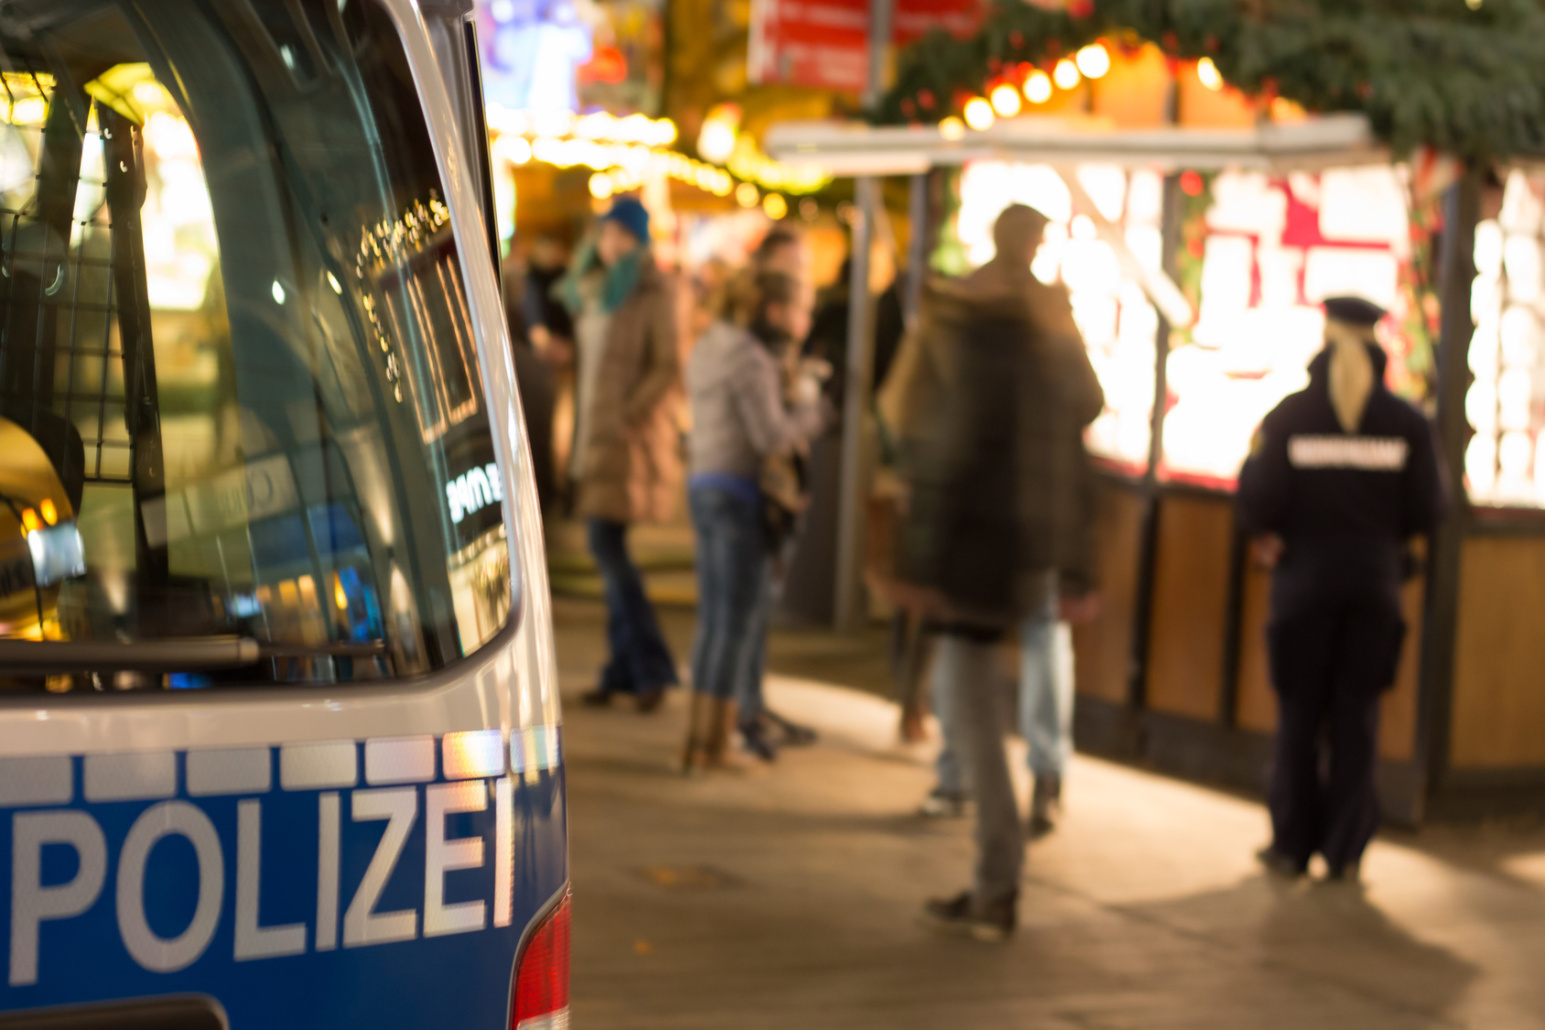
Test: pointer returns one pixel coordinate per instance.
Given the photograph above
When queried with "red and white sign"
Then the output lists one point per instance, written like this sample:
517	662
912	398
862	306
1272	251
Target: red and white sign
824	44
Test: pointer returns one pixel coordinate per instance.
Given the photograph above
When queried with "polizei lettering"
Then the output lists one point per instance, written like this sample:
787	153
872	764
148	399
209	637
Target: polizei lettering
279	874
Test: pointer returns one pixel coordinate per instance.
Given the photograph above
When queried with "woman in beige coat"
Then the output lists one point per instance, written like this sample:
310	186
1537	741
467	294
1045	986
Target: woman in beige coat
626	464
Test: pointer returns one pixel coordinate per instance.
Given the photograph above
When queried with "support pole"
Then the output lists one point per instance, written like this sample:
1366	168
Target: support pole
850	602
1462	212
917	245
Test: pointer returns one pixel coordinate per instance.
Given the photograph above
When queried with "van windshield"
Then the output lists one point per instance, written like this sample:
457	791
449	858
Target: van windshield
239	388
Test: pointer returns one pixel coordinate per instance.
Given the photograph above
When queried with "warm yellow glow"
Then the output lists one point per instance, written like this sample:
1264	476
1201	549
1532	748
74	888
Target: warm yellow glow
716	142
746	195
31	111
601	186
50	513
1209	74
1066	74
170	137
30	521
1285	110
1005	100
1094	61
340	598
952	128
1038	88
775	206
665	132
979	114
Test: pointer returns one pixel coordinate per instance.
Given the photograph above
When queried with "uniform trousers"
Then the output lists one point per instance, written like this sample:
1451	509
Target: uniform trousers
1331	660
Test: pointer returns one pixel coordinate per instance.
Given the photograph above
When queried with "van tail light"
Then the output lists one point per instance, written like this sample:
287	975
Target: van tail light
542	975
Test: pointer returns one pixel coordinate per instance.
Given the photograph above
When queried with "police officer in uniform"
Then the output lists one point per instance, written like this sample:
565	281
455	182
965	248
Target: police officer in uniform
1341	476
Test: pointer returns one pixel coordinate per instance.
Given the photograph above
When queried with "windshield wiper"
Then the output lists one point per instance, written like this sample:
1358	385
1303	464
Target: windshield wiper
179	654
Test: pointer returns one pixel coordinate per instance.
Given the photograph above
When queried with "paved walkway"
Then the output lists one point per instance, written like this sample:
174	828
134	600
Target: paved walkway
788	901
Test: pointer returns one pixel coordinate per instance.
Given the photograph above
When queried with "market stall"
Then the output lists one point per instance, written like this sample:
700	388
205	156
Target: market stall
1251	222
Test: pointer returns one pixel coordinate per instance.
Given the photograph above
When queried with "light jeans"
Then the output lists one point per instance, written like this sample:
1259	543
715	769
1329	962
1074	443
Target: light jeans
1045	702
973	706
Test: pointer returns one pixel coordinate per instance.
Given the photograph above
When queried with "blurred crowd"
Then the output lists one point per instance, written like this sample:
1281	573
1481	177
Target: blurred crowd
730	380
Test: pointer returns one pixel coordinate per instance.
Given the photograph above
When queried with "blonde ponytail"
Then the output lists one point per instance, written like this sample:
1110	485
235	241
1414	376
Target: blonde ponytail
1351	373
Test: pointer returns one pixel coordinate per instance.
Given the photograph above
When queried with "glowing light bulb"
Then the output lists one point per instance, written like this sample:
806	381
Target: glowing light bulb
278	292
1066	74
774	206
601	186
340	598
746	195
952	128
1208	72
50	512
1038	87
1094	61
1005	100
979	114
717	141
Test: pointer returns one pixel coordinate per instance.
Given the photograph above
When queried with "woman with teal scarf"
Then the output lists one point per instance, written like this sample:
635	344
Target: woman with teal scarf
626	466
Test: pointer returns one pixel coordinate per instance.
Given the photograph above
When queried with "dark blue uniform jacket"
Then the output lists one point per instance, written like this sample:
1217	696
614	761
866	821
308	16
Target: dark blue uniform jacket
1344	503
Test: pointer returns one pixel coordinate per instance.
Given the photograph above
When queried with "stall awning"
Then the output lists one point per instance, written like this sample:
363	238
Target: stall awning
849	148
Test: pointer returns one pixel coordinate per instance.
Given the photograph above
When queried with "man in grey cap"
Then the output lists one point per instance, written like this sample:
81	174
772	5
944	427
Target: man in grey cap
1340	477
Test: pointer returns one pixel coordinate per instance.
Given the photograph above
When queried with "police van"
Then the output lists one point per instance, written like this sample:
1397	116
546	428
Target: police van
279	733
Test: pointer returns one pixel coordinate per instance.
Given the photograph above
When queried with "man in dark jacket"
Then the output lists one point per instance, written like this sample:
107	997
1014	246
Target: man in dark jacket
1340	477
990	399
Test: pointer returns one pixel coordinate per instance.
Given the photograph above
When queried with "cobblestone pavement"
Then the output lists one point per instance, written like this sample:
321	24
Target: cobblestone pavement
788	900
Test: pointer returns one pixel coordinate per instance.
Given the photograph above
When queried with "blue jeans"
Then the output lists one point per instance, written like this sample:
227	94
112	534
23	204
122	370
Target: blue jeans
640	658
1045	701
734	577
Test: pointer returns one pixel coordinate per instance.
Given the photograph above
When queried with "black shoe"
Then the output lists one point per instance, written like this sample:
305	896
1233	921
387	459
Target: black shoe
1349	875
649	700
1281	865
757	741
962	915
792	733
1045	806
600	697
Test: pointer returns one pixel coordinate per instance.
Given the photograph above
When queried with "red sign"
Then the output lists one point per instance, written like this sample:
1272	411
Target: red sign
824	44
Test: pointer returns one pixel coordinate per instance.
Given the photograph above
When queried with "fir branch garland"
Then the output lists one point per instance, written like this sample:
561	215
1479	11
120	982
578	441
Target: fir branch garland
1425	72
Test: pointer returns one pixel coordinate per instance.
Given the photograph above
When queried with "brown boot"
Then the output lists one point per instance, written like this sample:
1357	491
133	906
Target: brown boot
721	756
702	719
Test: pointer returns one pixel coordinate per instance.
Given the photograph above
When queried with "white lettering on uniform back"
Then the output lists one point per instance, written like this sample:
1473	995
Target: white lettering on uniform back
158	954
31	902
362	924
1363	453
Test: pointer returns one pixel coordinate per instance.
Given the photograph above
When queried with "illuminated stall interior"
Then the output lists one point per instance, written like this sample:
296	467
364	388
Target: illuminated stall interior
1254	211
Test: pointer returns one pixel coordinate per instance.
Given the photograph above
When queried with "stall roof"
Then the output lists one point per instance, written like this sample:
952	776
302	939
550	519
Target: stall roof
855	148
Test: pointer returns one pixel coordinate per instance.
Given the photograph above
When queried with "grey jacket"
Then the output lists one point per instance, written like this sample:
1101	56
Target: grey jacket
738	413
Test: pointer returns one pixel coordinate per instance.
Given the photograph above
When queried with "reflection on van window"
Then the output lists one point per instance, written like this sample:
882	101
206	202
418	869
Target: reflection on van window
239	389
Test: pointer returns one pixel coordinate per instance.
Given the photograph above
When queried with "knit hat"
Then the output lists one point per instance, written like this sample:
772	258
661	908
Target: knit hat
631	215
